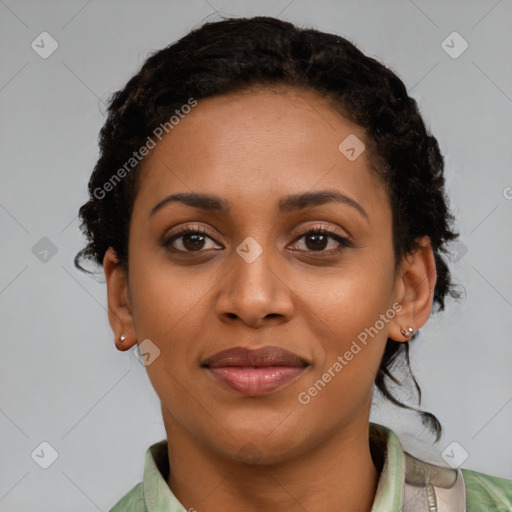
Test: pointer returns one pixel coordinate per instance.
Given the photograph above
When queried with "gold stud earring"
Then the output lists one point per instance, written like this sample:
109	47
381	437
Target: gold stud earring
407	334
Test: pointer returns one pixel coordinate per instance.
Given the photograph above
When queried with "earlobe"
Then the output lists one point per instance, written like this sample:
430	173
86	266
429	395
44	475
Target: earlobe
119	307
414	291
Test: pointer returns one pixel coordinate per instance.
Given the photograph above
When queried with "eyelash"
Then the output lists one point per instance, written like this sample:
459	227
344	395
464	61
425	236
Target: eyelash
345	242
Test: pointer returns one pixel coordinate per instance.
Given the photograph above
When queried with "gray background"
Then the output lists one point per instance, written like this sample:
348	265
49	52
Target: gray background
63	381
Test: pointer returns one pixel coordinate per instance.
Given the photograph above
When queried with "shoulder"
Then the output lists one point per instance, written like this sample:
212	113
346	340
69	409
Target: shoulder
486	492
453	489
132	501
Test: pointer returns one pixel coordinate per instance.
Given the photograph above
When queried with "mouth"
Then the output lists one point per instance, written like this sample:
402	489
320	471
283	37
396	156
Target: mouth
254	372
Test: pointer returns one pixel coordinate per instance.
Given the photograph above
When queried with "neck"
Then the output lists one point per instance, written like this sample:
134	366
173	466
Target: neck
337	474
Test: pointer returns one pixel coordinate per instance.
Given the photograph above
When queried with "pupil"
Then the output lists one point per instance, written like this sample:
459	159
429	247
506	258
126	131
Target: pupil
196	241
317	238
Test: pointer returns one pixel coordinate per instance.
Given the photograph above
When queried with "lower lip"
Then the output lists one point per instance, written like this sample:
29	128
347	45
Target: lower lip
256	381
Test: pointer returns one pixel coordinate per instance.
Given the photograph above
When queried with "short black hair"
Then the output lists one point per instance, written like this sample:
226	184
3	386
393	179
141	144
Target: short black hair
237	54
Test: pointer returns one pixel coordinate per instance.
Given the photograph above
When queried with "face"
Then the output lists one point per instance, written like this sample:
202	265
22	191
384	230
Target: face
270	264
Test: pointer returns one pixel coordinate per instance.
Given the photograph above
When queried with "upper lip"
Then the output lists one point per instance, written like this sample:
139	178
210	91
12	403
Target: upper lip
264	356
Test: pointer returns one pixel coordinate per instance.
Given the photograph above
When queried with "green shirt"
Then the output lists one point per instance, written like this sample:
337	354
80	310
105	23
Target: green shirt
405	483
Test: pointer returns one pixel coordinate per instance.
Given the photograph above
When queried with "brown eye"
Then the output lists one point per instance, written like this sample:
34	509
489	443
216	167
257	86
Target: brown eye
317	240
189	240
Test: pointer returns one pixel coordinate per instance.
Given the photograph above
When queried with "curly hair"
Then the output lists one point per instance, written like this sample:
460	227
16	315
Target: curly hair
237	54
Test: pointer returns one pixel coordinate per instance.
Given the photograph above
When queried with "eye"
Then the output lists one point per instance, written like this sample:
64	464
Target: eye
193	240
317	239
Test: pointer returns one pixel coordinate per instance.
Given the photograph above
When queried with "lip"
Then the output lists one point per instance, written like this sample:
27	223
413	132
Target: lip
254	372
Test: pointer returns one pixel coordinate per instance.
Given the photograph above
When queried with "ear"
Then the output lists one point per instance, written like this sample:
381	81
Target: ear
119	306
415	286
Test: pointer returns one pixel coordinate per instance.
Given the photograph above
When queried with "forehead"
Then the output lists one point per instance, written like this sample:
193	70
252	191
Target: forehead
255	146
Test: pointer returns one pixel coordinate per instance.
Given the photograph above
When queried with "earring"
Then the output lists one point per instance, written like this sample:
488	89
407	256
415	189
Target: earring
122	338
407	334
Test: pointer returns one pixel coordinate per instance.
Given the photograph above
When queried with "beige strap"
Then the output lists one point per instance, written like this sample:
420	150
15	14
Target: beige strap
432	488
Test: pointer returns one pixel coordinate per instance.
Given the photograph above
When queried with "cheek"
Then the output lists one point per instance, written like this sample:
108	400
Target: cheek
174	310
342	383
352	314
168	307
165	301
347	300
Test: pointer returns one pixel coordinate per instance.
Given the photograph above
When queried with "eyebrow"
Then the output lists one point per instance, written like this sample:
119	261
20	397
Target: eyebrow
294	202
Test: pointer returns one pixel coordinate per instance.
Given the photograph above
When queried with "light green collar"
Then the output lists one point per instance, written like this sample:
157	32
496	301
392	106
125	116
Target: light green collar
390	488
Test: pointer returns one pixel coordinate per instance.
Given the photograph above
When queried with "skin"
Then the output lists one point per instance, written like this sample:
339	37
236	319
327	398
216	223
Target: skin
228	451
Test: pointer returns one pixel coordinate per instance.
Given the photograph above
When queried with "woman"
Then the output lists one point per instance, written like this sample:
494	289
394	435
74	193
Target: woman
270	214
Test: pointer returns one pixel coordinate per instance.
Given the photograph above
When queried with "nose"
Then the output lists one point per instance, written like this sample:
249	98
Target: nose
254	292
